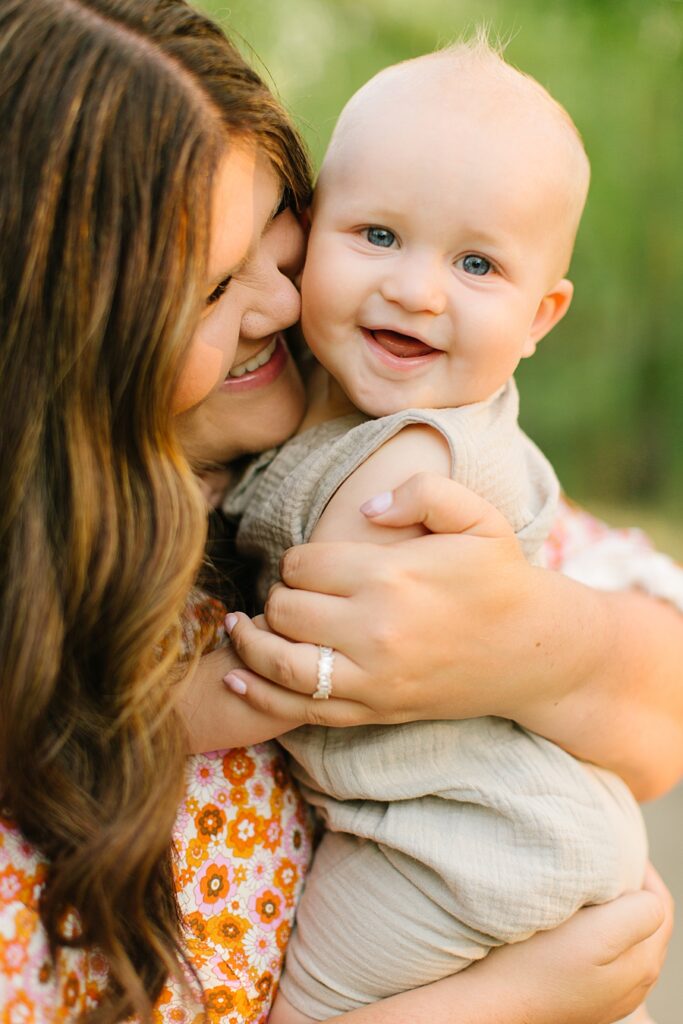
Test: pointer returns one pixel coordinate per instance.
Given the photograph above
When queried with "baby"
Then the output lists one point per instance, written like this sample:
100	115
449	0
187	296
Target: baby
442	228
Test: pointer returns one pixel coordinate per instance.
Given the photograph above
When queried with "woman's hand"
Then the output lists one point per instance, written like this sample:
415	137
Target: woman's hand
396	615
596	968
456	624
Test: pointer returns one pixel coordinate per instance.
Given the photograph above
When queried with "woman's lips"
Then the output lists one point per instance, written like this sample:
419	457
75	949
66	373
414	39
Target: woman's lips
261	375
399	351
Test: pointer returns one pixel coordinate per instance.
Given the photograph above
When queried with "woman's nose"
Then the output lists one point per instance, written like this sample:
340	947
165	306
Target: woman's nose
277	303
416	284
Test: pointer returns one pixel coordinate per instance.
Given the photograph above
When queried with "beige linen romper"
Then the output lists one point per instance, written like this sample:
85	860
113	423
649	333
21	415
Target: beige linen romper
443	839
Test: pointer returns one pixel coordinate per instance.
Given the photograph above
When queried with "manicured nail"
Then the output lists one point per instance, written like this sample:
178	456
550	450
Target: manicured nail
230	622
380	503
235	684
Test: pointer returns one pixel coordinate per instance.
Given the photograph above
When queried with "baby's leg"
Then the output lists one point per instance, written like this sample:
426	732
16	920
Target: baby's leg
284	1013
366	931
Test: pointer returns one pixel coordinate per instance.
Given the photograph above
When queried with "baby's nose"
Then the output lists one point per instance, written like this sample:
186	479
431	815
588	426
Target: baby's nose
416	285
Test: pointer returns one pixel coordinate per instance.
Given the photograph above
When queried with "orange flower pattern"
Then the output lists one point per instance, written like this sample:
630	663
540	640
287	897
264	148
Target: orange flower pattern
243	845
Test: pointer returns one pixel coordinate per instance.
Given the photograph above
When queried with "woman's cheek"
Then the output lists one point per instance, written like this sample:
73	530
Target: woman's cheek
203	370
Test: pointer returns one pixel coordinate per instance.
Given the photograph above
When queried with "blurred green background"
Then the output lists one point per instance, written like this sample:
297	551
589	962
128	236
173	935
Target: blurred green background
604	395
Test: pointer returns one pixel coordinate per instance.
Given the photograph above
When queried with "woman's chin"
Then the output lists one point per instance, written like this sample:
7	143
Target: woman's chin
272	428
228	425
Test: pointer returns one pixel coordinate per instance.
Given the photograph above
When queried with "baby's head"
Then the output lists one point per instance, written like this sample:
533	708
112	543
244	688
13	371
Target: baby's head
443	225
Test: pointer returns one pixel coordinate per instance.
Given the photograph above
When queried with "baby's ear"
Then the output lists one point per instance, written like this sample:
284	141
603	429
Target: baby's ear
551	309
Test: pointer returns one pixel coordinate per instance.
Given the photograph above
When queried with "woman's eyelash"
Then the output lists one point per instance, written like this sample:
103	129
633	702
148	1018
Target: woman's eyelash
218	291
285	203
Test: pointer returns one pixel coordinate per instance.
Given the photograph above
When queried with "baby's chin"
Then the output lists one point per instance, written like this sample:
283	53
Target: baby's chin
385	400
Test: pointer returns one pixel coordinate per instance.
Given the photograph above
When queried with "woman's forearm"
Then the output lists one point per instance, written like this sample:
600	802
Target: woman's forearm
614	687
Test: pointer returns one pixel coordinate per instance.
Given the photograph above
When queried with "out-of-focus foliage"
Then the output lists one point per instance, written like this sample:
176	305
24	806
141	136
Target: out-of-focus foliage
604	394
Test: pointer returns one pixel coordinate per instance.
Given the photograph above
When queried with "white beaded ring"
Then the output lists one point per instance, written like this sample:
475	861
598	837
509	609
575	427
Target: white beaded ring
325	668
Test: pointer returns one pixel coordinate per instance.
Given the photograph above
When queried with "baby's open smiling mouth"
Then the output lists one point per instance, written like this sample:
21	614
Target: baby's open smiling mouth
399	351
402	345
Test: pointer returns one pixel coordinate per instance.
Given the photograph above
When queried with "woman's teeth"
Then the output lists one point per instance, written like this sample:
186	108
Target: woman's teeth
255	362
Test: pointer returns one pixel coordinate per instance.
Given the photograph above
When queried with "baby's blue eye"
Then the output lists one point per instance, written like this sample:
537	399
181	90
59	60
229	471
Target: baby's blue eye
477	265
381	236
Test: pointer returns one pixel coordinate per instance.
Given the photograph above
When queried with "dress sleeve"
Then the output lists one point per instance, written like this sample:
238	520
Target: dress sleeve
601	556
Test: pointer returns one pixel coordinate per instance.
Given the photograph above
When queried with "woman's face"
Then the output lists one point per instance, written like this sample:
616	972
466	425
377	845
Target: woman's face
240	390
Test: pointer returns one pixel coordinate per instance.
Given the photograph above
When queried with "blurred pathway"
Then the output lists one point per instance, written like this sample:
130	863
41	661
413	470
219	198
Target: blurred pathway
665	827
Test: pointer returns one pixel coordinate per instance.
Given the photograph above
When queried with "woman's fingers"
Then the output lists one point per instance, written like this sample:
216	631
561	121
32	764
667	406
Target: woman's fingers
654	884
304	616
292	665
297	708
439	504
636	925
626	923
327	568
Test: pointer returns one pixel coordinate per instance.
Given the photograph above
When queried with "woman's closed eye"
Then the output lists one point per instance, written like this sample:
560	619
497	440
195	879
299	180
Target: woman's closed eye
284	204
477	266
218	291
381	237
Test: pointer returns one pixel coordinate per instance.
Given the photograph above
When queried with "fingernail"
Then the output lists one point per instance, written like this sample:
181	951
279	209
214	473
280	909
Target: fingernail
380	503
230	622
235	684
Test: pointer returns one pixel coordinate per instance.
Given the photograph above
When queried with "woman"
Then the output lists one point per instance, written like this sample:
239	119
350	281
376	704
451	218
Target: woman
143	170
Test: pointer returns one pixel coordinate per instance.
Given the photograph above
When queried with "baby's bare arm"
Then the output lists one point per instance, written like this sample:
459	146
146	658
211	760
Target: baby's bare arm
415	448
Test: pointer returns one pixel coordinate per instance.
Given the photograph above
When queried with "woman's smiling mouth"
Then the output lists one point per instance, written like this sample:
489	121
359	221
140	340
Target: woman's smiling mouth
259	369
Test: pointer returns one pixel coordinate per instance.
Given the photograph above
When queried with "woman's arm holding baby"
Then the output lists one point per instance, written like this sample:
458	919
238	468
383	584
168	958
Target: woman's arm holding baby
597	672
594	969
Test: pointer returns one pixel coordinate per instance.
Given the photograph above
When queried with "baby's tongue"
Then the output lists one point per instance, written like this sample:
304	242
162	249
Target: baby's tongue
401	344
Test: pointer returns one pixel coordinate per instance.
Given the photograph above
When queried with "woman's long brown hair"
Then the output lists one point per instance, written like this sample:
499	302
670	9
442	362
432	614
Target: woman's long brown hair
113	116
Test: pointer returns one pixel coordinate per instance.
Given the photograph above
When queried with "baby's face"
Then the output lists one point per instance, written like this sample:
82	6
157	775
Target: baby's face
431	249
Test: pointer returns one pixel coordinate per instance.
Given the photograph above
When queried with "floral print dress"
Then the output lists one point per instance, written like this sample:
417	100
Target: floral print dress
243	843
243	846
